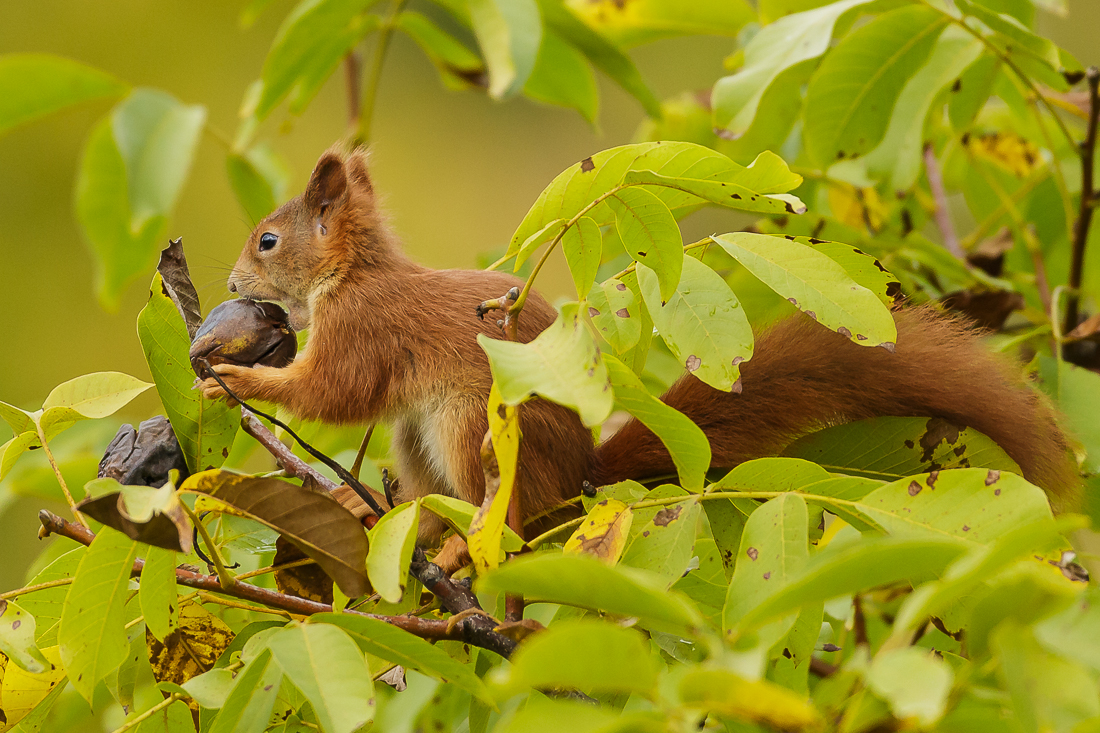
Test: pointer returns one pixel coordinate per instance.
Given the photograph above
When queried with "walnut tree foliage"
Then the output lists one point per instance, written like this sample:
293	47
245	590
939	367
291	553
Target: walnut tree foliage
878	575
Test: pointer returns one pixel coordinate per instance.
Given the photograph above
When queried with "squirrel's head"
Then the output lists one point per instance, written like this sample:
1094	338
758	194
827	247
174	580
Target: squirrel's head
304	249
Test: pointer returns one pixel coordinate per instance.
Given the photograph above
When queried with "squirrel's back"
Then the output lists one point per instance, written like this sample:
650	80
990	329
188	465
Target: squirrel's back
803	377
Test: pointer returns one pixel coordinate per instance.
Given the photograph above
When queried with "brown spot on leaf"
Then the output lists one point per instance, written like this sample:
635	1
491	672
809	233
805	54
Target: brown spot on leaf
593	312
889	346
909	444
767	575
502	412
667	516
753	553
793	302
693	362
587	165
937	430
996	492
993	477
737	360
844	332
933	478
736	388
620	286
16	624
811	314
966	528
860	337
646	533
622	313
957	85
914	488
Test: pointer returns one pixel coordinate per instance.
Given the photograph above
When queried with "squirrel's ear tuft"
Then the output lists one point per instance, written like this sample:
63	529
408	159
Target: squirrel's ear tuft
357	170
328	183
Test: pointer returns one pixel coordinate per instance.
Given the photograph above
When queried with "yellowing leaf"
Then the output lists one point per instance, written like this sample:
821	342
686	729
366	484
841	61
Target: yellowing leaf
191	648
858	208
488	523
21	691
729	695
1008	151
604	532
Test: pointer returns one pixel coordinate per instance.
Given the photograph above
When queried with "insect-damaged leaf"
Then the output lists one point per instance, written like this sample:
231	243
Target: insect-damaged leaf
142	513
664	543
205	428
176	279
616	314
889	448
312	520
815	284
191	648
604	532
730	195
17	638
391	547
702	322
562	365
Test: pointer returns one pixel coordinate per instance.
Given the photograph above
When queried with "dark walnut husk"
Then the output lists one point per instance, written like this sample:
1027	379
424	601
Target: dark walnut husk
244	332
143	457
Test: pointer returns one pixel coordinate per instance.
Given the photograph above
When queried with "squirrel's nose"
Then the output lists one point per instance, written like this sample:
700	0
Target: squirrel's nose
232	286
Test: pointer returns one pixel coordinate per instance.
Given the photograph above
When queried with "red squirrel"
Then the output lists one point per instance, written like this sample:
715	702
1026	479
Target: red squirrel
391	340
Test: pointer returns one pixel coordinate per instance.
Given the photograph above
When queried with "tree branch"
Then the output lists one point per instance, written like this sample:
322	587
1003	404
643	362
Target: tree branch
1088	201
939	193
476	630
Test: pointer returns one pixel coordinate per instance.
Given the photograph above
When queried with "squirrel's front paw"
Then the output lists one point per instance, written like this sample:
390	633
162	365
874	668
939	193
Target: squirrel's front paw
234	378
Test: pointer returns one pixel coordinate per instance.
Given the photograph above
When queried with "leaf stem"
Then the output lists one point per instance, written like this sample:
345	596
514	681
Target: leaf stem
275	568
207	597
35	588
57	472
149	713
370	91
225	578
941	213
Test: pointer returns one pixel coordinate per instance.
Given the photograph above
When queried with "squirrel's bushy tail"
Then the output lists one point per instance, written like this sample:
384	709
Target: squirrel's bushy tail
803	377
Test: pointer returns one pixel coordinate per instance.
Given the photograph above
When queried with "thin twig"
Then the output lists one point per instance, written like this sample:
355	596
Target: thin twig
225	578
358	464
149	713
1088	202
454	597
35	588
276	568
939	193
370	91
57	472
353	71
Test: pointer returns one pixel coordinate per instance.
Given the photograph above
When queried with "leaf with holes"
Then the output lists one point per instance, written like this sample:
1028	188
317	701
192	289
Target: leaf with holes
664	544
723	193
815	284
616	314
702	322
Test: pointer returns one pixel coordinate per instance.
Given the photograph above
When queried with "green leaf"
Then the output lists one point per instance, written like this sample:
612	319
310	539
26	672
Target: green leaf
259	180
509	33
541	714
18	420
310	43
685	441
1018	35
730	195
47	605
890	448
91	396
586	582
1048	692
1075	632
17	446
411	652
815	285
864	269
562	365
1076	391
771	474
248	707
391	547
91	635
643	21
899	154
774	549
583	183
459	515
778	47
664	544
615	314
210	689
702	322
205	428
603	54
974	505
157	592
17	638
859	566
582	244
326	665
724	693
456	63
855	88
156	136
563	77
914	681
611	659
35	85
651	235
103	209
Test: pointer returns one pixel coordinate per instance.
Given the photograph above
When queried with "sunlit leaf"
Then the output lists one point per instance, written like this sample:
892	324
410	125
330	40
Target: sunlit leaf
664	543
562	365
157	592
391	546
728	194
814	284
509	34
726	694
643	21
17	638
563	77
702	322
651	236
91	634
604	531
615	313
855	88
459	514
582	244
35	85
488	523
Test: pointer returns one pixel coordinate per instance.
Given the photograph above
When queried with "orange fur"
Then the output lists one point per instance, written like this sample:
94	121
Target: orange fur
392	340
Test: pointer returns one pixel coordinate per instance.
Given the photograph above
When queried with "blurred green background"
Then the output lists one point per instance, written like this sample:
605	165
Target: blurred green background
456	170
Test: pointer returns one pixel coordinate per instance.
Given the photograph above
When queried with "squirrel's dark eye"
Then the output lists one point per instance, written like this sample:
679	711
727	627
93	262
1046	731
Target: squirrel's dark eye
267	241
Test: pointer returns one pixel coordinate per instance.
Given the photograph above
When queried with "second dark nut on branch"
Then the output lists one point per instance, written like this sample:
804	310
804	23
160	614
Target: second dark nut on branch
244	332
